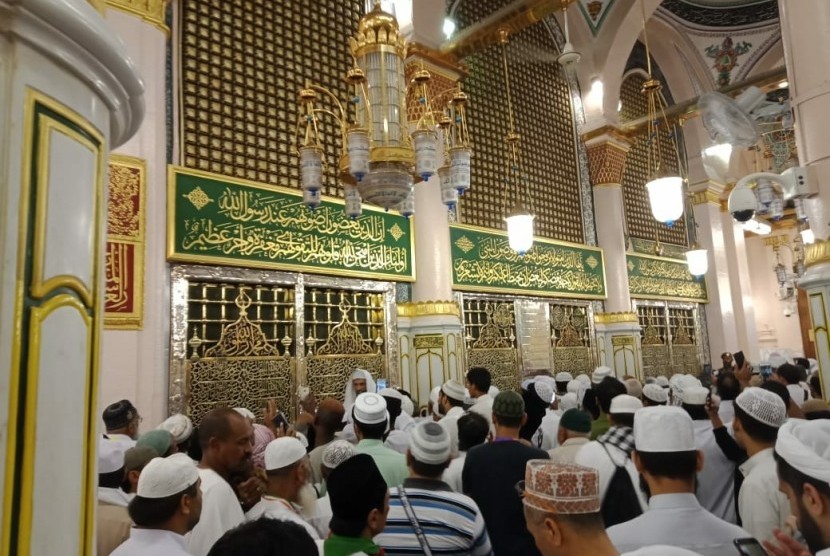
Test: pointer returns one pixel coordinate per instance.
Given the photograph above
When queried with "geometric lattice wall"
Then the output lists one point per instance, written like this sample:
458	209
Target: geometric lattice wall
243	62
544	119
641	224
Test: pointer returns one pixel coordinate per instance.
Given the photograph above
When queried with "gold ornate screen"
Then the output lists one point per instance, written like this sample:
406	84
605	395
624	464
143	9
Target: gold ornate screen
490	335
670	338
544	119
236	353
571	338
242	65
641	224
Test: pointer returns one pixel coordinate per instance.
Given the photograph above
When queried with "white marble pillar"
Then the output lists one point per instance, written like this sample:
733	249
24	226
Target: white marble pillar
720	312
68	93
618	330
742	301
134	363
807	53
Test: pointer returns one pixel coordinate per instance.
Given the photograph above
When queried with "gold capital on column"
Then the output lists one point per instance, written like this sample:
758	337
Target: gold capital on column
817	253
616	318
607	151
151	11
708	192
428	308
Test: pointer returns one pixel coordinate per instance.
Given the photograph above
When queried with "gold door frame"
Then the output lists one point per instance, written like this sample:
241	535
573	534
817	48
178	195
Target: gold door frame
674	344
182	275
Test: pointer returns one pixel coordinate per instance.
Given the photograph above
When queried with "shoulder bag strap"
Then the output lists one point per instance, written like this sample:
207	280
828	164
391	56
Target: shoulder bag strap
407	507
613	461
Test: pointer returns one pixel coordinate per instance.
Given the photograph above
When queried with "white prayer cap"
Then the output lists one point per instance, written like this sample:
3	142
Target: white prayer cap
164	477
282	452
453	390
625	404
584	379
526	383
776	360
573	386
763	406
655	393
568	401
674	378
370	409
433	394
302	438
805	445
179	426
663	429
493	391
429	443
407	406
681	384
111	455
245	412
544	390
390	393
337	452
662	381
694	395
600	373
563	377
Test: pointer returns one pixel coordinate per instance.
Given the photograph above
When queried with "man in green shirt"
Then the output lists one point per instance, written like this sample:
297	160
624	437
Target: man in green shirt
604	392
359	504
370	421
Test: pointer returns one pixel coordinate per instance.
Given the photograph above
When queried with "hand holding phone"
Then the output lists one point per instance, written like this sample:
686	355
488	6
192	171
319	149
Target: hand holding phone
749	547
739	360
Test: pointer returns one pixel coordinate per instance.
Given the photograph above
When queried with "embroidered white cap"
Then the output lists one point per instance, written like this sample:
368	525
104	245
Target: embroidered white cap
655	393
179	426
584	379
662	381
763	406
454	390
694	395
391	393
544	390
573	386
370	409
568	401
245	412
282	452
164	477
625	404
663	429
563	377
337	452
429	443
600	373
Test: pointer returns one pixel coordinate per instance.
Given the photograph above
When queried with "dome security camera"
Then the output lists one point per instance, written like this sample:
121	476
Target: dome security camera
742	204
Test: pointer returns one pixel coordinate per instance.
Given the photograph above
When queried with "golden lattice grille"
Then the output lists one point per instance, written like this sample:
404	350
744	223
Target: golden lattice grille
341	322
684	342
490	335
544	119
239	346
570	333
670	339
641	224
243	63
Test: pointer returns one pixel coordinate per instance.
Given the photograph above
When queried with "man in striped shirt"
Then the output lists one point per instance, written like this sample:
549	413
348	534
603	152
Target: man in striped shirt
425	515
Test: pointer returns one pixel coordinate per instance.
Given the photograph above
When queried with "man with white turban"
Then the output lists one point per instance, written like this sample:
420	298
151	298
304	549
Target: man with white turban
359	382
180	428
802	455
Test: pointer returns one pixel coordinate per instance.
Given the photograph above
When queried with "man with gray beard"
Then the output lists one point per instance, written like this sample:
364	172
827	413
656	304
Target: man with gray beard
290	494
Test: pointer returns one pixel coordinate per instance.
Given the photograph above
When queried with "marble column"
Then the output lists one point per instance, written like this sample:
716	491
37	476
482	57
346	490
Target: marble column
134	359
618	330
430	330
720	311
738	264
68	94
807	54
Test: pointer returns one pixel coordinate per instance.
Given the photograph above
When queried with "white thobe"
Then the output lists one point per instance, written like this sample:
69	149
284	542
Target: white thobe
593	455
798	394
546	436
322	516
114	496
152	542
678	519
450	424
762	506
661	550
221	512
484	407
716	481
566	453
726	411
452	474
282	510
825	552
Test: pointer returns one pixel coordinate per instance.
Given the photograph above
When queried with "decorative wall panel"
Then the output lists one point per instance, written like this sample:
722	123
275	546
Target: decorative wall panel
242	65
490	337
544	119
641	224
671	337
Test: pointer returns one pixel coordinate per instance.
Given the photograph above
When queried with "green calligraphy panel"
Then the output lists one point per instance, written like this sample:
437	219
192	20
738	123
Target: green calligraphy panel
215	219
652	277
482	260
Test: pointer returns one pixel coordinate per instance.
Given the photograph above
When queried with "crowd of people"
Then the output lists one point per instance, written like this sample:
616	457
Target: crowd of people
592	465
